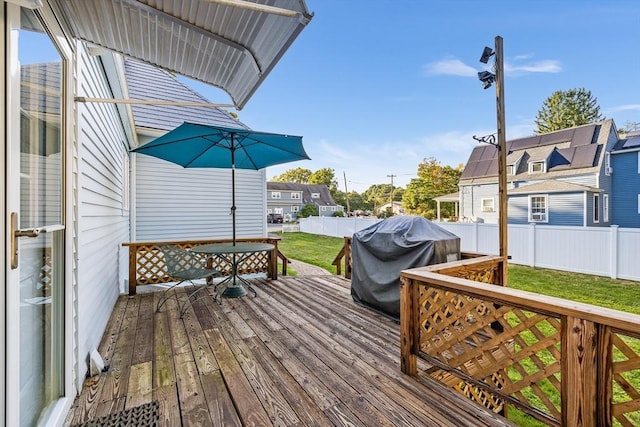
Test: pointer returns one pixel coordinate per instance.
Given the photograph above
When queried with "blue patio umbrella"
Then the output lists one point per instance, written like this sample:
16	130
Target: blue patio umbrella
192	145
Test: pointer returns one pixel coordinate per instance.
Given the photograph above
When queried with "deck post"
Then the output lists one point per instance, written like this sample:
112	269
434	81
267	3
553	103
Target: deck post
579	372
133	253
409	335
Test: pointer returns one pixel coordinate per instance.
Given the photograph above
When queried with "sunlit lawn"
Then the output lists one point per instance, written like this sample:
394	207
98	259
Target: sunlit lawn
623	295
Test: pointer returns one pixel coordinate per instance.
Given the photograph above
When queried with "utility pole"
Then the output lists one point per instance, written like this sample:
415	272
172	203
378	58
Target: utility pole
391	176
502	160
346	192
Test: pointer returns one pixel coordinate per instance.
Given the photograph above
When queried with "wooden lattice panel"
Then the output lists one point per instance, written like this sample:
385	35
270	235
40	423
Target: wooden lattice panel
626	373
151	267
487	351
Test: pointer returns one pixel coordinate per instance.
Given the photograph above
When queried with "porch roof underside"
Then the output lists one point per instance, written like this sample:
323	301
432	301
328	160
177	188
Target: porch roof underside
230	44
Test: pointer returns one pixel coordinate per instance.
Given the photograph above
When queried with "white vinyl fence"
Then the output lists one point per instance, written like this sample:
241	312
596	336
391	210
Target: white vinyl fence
603	251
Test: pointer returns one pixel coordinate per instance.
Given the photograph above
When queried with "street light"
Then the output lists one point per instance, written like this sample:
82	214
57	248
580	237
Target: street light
488	78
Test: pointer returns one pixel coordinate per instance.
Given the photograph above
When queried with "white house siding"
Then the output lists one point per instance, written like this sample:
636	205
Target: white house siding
174	203
102	223
471	202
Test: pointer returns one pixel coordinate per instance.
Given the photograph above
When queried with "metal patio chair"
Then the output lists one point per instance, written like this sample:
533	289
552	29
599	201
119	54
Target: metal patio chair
184	266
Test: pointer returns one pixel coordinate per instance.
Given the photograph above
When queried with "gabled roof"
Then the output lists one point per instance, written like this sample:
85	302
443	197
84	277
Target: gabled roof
565	152
324	199
551	186
148	82
232	45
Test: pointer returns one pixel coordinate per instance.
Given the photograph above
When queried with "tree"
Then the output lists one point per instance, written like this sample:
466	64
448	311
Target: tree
297	175
380	194
325	176
307	211
433	180
565	109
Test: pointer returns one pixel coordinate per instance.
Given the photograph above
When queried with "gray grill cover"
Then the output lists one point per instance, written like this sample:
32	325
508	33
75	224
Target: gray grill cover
381	251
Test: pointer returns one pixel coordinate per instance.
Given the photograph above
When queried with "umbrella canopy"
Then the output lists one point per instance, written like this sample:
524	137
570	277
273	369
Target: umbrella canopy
193	145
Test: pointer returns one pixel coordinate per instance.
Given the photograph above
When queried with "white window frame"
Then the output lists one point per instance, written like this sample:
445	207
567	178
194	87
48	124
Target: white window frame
607	163
295	195
276	195
596	208
323	208
511	169
491	208
543	166
545	214
315	195
295	208
605	208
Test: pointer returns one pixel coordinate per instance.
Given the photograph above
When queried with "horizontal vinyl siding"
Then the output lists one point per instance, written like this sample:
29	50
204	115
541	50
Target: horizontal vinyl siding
563	209
625	191
518	209
102	223
566	209
174	203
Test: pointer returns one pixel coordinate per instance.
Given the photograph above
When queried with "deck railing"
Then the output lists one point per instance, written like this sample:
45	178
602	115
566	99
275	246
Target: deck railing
345	256
147	265
561	362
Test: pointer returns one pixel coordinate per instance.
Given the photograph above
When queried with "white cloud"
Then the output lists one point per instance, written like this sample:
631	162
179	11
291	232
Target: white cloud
628	107
547	66
450	67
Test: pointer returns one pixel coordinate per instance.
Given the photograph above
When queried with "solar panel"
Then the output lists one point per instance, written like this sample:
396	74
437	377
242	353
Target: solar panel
584	135
632	142
584	156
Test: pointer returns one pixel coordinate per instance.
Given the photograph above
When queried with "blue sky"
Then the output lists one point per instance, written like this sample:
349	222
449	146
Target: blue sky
376	86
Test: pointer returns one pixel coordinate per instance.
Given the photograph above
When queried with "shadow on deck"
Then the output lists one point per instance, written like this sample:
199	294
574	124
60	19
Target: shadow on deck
300	353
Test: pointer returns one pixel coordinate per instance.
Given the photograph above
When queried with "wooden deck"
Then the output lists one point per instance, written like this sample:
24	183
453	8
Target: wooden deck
300	353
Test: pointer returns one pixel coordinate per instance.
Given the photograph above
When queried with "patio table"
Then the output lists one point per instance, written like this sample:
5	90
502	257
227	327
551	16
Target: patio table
232	285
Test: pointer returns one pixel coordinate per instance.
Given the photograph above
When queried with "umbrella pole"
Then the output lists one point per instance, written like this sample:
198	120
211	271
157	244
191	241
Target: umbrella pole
233	192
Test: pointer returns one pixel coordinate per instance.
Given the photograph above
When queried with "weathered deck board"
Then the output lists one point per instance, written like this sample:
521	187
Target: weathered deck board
301	353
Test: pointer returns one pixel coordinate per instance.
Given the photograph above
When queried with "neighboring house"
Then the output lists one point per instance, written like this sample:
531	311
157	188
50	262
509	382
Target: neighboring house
559	178
287	198
395	207
625	172
71	187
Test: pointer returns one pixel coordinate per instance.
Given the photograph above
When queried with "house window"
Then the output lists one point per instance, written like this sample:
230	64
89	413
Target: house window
276	195
607	164
269	211
323	208
488	205
511	169
605	207
295	195
536	167
538	209
596	208
295	208
315	195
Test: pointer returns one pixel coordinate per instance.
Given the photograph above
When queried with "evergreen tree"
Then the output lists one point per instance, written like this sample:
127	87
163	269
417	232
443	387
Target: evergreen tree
565	109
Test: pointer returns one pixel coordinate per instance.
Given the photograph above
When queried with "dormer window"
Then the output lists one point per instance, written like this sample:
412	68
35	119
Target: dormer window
315	195
537	167
511	169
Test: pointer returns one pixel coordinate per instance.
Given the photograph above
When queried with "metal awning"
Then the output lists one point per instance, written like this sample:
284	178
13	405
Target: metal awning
230	44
